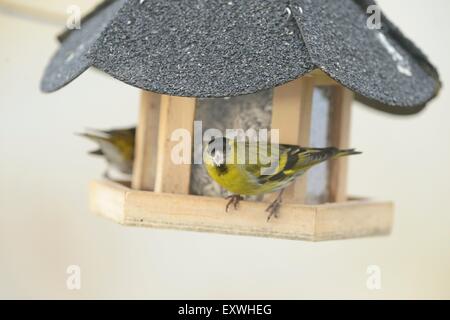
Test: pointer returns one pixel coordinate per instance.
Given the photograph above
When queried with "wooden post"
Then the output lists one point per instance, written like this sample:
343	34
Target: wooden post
144	169
291	114
175	113
340	109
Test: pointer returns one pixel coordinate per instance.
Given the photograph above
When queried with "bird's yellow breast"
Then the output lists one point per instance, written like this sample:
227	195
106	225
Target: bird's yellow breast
237	180
232	178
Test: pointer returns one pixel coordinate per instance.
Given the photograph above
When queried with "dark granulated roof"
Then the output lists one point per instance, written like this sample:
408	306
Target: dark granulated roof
216	48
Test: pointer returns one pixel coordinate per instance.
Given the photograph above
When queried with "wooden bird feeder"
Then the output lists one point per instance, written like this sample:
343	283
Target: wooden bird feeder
188	57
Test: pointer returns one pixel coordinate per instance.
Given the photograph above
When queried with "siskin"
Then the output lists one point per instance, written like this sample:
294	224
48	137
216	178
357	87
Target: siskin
261	168
116	146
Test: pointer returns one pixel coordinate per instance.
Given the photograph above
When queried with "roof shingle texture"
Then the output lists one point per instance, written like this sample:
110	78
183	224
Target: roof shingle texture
216	48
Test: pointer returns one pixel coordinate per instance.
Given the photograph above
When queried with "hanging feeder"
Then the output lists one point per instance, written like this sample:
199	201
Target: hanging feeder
289	65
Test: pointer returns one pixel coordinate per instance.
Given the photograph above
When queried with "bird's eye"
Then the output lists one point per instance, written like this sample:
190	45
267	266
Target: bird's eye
213	152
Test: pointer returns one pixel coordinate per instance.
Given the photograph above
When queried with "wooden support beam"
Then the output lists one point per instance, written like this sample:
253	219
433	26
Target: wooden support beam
340	116
291	115
144	169
175	113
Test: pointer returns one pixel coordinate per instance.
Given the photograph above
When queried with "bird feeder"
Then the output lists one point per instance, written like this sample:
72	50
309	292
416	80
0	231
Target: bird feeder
292	65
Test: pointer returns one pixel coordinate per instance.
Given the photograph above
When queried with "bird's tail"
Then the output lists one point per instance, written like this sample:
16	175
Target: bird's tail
346	152
95	135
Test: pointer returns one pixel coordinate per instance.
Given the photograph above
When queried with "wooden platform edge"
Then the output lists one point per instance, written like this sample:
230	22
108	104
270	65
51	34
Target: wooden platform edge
353	219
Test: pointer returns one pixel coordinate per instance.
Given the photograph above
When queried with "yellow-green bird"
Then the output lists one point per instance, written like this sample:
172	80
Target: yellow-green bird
116	146
262	167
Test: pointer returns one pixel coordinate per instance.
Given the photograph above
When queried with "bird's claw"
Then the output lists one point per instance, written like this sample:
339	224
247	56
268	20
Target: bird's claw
233	200
274	207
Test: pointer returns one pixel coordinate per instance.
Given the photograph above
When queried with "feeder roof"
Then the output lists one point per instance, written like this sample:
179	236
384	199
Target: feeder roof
217	48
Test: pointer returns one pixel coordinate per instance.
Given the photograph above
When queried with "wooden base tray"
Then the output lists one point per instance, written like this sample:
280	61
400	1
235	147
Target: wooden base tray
352	219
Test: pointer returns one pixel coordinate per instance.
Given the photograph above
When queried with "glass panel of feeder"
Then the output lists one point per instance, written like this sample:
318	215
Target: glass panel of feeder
252	111
317	185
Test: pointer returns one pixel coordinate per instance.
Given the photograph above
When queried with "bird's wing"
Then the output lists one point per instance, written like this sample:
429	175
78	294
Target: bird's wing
262	161
307	157
109	135
294	161
121	132
95	135
124	142
279	164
